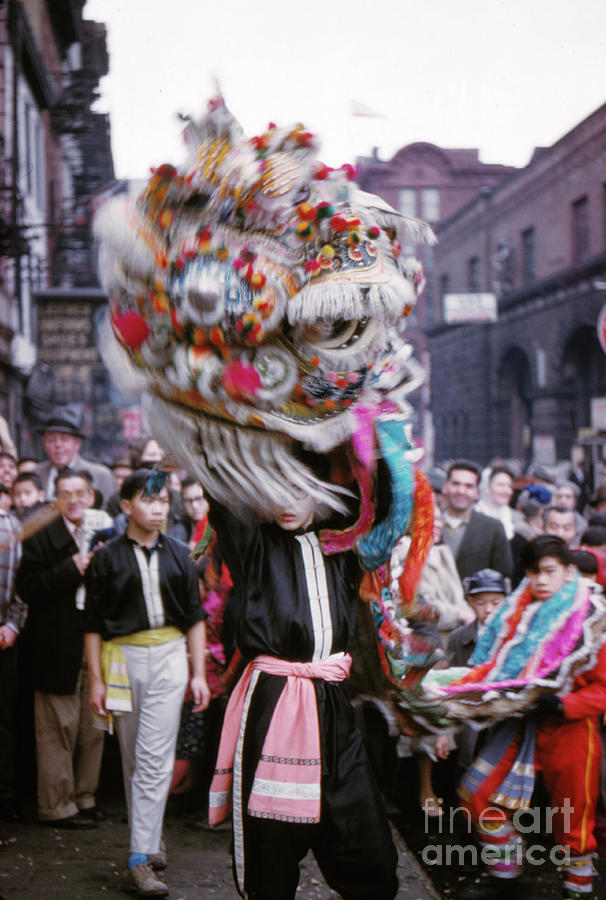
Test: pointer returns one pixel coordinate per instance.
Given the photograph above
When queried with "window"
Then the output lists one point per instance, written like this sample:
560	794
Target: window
580	230
430	204
503	268
473	274
407	201
29	147
444	285
33	155
528	256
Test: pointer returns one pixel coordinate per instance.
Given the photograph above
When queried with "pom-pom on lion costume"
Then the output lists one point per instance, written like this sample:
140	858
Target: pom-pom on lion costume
263	297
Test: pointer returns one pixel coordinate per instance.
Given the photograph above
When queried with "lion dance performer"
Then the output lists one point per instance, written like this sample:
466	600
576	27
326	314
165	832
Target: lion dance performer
261	298
539	674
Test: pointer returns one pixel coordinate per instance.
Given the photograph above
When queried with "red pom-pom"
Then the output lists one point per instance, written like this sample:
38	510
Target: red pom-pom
320	171
258	281
373	232
165	171
338	223
306	211
241	381
350	171
305	138
312	265
131	327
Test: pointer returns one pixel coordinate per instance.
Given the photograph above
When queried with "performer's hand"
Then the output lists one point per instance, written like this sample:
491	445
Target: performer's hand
549	705
96	696
442	746
200	691
7	637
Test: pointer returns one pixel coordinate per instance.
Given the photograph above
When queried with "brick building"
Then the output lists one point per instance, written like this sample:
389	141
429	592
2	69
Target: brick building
522	387
431	183
54	155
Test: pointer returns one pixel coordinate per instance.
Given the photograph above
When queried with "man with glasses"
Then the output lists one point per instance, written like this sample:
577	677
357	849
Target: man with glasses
62	437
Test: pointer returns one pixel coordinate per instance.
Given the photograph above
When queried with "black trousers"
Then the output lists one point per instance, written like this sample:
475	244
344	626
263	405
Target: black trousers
8	724
352	843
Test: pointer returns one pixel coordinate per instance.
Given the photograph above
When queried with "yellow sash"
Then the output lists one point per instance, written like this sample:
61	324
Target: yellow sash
118	696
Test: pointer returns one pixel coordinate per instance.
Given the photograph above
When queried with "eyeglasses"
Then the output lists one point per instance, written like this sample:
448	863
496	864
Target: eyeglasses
83	494
192	500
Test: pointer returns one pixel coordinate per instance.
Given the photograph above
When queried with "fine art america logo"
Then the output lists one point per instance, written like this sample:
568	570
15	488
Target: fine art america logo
532	821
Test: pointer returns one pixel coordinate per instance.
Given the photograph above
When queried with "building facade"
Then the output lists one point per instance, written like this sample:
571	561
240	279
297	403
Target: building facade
523	387
431	183
54	155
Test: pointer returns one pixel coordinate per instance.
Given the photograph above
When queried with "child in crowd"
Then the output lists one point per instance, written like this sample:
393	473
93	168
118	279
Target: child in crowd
27	493
484	591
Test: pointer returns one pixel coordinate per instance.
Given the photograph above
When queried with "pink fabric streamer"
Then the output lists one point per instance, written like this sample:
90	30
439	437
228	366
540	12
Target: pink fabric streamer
363	464
287	779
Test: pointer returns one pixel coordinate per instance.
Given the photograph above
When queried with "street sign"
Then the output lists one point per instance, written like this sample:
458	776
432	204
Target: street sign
459	308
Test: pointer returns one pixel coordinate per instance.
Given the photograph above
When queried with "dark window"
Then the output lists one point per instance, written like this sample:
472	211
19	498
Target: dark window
528	256
580	230
473	274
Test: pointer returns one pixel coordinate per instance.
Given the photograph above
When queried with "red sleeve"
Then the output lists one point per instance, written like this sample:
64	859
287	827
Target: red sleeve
588	697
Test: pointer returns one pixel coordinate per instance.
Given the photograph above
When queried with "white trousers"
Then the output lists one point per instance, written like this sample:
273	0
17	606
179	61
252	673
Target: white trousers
148	735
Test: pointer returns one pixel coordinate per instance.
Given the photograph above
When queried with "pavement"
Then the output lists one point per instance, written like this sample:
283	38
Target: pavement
42	863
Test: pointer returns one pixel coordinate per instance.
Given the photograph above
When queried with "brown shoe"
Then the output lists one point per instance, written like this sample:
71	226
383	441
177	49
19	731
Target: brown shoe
142	880
158	860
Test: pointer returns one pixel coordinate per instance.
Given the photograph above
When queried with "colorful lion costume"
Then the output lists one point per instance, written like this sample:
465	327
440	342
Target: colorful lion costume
263	299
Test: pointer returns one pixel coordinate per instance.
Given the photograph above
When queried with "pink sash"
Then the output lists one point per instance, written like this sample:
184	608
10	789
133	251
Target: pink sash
287	779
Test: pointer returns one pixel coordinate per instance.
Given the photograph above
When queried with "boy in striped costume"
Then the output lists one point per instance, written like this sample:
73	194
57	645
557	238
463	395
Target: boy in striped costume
559	736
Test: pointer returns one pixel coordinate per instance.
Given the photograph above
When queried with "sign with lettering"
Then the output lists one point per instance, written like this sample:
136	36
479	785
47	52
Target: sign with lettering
66	332
459	308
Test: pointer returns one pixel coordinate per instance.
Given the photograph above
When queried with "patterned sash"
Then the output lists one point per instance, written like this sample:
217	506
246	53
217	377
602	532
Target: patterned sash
287	779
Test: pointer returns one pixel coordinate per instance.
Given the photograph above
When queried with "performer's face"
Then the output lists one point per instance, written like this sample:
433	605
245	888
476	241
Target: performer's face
299	513
148	514
549	578
485	603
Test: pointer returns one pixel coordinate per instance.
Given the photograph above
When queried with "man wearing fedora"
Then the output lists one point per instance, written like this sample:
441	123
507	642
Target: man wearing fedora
61	439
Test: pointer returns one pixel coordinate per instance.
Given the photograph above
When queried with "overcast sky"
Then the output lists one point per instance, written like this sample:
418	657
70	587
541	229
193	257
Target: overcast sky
501	75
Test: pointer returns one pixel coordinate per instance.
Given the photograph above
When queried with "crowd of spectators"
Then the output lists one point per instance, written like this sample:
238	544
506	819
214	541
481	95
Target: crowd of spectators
49	511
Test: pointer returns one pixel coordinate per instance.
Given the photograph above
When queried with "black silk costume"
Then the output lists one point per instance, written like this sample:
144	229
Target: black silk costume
299	605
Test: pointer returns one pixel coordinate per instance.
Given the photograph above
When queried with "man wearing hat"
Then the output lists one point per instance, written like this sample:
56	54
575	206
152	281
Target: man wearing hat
61	439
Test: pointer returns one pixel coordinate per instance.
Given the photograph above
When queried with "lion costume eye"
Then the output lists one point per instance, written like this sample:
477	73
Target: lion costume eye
334	334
